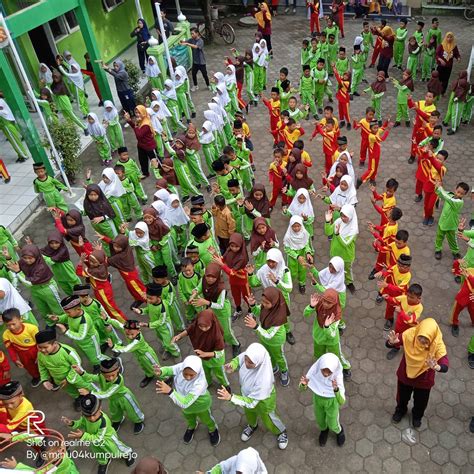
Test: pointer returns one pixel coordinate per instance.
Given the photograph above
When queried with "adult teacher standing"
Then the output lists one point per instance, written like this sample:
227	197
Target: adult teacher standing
264	24
196	43
446	53
143	35
424	355
386	52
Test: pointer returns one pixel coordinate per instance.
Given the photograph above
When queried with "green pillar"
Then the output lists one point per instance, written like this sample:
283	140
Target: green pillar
14	97
87	32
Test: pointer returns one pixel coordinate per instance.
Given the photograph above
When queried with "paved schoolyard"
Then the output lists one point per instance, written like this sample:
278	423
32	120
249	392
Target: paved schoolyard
373	443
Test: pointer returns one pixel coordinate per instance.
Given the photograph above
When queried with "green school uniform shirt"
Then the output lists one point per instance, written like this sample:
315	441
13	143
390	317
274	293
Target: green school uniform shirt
158	314
273	336
323	336
401	34
305	56
49	185
186	285
320	75
306	85
368	40
103	389
58	366
137	346
333	50
357	61
339	247
452	207
203	248
333	30
436	32
402	94
297	114
222	181
342	65
79	329
419	37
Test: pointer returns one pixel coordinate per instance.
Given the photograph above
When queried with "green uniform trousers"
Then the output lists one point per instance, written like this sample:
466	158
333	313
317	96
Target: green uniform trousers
165	333
205	417
298	272
54	199
277	354
320	350
125	405
266	411
47	300
402	113
210	369
450	237
326	412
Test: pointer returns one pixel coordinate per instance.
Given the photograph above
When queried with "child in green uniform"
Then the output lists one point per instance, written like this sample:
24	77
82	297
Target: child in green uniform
238	156
48	107
181	87
98	209
331	277
10	129
272	316
110	385
204	240
418	34
49	187
55	365
333	51
305	52
326	337
399	43
321	82
112	125
262	239
190	393
56	255
188	280
260	64
208	142
377	90
298	249
427	64
77	81
158	312
211	293
326	381
341	62
358	65
457	102
258	397
207	338
8	242
78	326
142	351
153	72
332	28
449	218
128	201
434	32
95	429
301	204
139	239
168	296
113	190
171	100
404	88
368	40
344	231
132	172
307	90
414	53
99	135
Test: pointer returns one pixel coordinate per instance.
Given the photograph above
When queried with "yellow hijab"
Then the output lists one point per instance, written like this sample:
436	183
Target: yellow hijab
416	354
447	46
145	120
387	31
263	14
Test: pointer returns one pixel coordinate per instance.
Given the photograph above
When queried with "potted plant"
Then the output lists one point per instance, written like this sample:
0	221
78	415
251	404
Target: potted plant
134	75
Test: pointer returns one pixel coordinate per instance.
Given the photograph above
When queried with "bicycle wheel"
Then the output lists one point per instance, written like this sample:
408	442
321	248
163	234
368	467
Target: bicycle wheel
469	13
227	33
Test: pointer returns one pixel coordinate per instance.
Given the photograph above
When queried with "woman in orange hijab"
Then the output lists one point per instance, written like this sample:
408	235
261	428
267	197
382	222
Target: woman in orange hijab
424	355
264	23
145	135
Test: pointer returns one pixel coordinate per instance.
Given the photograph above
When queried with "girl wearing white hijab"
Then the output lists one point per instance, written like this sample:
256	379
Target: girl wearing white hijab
185	103
189	392
345	193
231	86
177	219
331	277
10	129
164	111
158	127
153	72
326	381
171	101
139	239
297	246
45	75
208	142
161	209
214	115
345	159
219	80
260	64
11	298
75	77
98	133
115	192
247	461
112	124
258	398
225	117
301	206
344	231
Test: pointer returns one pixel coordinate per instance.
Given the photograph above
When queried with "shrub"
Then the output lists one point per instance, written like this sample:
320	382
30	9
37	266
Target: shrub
134	75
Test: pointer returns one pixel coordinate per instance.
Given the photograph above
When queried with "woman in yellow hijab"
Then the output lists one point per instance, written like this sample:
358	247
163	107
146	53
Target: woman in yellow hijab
424	355
264	23
446	53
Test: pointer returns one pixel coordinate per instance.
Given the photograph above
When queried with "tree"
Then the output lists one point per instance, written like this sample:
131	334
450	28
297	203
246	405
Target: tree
206	10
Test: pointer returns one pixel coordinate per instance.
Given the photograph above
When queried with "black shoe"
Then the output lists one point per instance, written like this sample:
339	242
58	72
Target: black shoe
379	299
397	417
455	330
425	221
320	110
236	350
351	96
356	94
193	114
302	289
215	438
418	198
391	354
136	304
117	424
146	381
470	360
451	131
407	123
397	124
347	374
208	188
341	437
290	339
361	164
388	324
411	159
438	255
103	468
416	422
35	382
342	123
130	459
86	132
372	274
430	221
77	403
189	435
349	126
359	183
323	437
7	180
456	256
457	279
471	425
351	288
138	428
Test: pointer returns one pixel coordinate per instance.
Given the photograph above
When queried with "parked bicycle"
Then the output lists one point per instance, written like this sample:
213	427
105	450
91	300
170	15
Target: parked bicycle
221	28
468	10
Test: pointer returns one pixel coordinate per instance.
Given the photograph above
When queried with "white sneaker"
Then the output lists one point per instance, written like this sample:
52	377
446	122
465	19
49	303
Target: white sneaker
287	9
248	432
194	88
282	440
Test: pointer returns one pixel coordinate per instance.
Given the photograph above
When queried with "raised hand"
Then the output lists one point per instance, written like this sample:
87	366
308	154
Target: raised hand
228	368
250	268
28	240
314	299
328	215
251	300
329	320
223	394
393	338
250	322
163	387
334	384
304	380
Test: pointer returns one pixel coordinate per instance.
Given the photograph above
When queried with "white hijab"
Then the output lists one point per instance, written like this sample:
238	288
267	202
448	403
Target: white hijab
161	208
206	137
181	73
220	110
164	112
176	216
5	111
154	116
70	61
113	114
152	70
217	111
143	242
96	129
260	57
248	461
76	76
230	79
222	95
220	78
12	298
321	385
349	196
47	76
359	41
276	256
333	281
256	383
351	229
350	167
198	385
298	209
169	91
296	240
164	196
115	187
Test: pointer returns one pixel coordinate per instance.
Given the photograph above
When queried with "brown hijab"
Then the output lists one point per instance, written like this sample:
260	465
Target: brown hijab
434	84
332	297
461	86
124	260
290	166
212	292
191	143
207	341
78	229
98	208
101	272
236	260
38	272
278	314
257	239
262	206
408	81
162	183
157	229
336	180
59	255
149	465
305	182
412	47
170	175
379	86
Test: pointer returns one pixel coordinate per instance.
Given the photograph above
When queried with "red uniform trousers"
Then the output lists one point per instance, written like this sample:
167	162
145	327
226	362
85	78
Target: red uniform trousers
242	103
364	148
328	162
344	111
371	173
27	357
457	308
104	293
429	203
314	23
340	19
277	186
94	82
418	135
4	368
376	52
134	285
392	291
